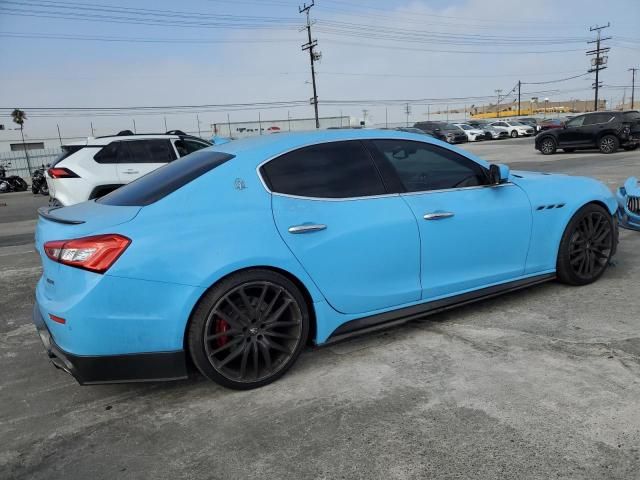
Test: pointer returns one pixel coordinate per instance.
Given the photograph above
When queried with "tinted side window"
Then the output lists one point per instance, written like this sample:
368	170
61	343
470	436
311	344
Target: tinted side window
423	167
147	151
108	154
187	146
597	118
330	170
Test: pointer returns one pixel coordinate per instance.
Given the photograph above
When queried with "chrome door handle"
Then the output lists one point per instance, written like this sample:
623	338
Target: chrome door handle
307	228
131	171
438	215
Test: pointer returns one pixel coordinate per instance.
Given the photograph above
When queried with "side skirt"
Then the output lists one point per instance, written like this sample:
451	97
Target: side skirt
386	320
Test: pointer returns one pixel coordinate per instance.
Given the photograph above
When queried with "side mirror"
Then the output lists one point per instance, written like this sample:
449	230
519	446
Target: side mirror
498	173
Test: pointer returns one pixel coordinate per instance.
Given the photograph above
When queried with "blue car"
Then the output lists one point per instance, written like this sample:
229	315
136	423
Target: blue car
238	255
628	197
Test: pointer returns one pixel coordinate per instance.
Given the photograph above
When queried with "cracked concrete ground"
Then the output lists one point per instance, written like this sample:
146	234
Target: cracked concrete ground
537	384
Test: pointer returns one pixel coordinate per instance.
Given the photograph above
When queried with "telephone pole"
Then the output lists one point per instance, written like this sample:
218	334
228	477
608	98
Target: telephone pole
407	111
313	56
599	62
519	85
633	85
498	92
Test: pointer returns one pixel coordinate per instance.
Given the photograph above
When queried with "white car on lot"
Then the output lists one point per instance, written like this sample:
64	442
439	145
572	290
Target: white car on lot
473	134
514	129
94	167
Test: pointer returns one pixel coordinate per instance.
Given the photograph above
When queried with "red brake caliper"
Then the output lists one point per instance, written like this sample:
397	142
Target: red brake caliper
220	327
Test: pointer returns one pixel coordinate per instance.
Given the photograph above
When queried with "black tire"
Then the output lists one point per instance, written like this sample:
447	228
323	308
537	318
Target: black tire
608	144
548	146
234	327
587	246
630	148
34	190
569	150
514	134
44	189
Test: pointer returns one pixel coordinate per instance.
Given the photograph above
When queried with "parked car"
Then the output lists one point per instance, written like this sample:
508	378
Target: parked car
94	167
411	130
473	134
629	204
606	131
236	256
530	121
514	129
551	123
442	131
490	133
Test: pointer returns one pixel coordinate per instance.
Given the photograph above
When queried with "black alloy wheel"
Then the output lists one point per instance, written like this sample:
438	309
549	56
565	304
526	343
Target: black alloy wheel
609	144
248	330
587	246
548	146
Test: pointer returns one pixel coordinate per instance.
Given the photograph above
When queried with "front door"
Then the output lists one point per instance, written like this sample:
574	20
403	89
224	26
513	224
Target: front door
573	132
472	234
359	244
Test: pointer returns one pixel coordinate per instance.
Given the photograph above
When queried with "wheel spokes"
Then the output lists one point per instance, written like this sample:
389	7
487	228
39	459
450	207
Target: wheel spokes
264	328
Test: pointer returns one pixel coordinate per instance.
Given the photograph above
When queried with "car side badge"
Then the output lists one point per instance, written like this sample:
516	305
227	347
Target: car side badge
239	184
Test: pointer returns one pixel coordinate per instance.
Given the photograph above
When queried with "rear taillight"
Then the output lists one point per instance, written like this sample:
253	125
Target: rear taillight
95	254
57	172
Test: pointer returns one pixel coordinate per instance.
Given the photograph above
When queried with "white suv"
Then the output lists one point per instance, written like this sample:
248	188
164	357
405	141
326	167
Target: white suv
92	168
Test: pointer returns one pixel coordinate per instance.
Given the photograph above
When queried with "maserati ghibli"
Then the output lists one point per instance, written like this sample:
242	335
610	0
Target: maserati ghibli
238	255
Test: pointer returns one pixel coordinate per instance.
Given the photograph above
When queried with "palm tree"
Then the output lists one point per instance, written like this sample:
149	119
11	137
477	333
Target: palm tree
19	117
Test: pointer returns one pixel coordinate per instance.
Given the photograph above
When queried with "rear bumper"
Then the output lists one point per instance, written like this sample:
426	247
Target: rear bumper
142	367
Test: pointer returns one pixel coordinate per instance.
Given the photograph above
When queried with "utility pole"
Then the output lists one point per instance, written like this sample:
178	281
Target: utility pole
91	128
59	136
165	125
407	111
386	117
259	123
313	57
364	116
134	126
599	62
198	120
498	92
519	85
229	124
633	85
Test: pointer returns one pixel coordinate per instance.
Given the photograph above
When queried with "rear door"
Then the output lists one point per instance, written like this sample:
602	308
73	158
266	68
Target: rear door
359	244
139	157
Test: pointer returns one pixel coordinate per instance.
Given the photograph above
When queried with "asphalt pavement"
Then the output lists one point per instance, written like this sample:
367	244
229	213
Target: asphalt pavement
538	384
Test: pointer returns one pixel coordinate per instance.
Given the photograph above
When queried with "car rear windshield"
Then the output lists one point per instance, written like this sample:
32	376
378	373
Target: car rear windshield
167	179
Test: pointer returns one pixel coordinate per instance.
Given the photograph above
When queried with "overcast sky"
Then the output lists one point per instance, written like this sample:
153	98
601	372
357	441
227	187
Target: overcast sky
206	52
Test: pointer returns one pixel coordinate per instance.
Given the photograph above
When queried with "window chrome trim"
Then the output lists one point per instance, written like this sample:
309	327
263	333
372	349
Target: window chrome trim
384	195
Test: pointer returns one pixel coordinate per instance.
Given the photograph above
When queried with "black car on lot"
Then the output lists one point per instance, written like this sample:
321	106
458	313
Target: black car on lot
443	131
606	131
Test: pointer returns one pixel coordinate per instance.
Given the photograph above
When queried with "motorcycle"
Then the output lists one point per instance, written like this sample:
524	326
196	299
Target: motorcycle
12	183
39	181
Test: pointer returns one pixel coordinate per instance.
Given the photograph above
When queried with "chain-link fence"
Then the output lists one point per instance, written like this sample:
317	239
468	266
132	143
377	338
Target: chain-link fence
16	163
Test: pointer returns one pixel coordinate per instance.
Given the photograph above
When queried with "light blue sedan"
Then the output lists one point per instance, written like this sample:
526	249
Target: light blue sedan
240	254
